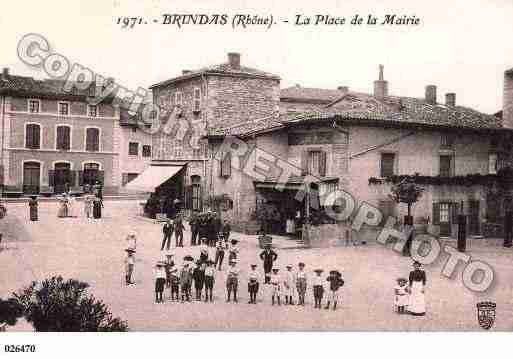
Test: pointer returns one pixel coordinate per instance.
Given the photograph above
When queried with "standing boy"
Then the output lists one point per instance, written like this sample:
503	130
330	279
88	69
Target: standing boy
288	285
268	256
225	230
160	281
209	280
301	282
175	283
129	265
253	284
185	282
232	281
179	227
234	250
194	224
167	230
169	264
221	247
336	281
318	288
276	280
199	278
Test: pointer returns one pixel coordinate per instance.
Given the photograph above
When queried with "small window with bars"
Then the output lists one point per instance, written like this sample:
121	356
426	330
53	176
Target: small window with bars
133	149
63	108
146	151
387	165
196	107
226	165
33	106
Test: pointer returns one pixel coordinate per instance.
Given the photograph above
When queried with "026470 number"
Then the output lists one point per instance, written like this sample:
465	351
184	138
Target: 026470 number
19	348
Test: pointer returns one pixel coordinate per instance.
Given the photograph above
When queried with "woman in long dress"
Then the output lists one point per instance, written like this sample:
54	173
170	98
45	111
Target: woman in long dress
63	207
33	208
97	208
417	301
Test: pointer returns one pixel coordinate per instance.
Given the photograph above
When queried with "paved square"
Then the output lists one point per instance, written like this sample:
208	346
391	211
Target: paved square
93	251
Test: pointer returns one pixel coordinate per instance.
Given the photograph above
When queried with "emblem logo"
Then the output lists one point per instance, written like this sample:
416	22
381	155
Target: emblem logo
486	314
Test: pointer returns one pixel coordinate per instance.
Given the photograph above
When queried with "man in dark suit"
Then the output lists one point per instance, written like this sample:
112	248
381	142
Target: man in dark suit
167	230
194	224
268	256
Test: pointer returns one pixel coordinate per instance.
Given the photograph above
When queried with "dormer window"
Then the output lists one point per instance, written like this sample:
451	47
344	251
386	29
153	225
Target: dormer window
64	108
33	106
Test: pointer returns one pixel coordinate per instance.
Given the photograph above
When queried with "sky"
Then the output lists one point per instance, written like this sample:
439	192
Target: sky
460	46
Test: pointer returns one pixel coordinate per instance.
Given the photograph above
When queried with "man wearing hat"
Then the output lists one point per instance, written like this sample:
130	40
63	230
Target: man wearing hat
288	285
179	227
276	281
318	288
232	280
268	256
336	281
129	265
301	281
199	278
168	260
160	281
221	247
167	230
253	284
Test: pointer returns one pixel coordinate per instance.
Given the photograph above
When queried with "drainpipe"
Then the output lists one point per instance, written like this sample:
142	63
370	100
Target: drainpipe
3	144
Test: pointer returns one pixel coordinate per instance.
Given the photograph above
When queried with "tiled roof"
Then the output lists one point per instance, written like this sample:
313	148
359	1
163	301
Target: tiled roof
28	86
366	109
310	94
225	69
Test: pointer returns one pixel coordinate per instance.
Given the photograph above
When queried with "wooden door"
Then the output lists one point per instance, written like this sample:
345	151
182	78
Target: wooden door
62	177
473	217
31	177
445	219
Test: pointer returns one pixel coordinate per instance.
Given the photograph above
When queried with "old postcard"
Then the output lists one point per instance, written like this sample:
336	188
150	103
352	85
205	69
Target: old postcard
170	166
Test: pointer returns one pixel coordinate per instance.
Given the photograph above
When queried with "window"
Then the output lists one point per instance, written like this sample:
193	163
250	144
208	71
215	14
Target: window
33	136
447	141
90	174
178	149
33	106
63	108
317	163
92	139
92	111
492	163
226	165
63	138
178	98
146	151
196	193
197	100
133	149
387	164
445	166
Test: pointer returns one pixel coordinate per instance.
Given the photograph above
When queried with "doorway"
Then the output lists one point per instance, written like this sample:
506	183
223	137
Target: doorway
62	177
473	217
31	177
445	219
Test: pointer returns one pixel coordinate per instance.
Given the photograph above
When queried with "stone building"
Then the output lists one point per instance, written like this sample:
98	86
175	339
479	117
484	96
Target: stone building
53	139
341	139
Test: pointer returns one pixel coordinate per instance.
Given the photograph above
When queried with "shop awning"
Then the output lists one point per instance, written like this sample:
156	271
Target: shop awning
152	177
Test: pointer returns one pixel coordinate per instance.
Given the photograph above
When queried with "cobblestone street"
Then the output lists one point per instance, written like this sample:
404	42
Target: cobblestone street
93	251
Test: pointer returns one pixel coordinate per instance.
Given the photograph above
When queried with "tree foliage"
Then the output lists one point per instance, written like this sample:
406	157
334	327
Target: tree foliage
62	305
406	191
10	311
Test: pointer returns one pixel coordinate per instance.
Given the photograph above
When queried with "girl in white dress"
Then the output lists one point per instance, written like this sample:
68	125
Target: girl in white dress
401	295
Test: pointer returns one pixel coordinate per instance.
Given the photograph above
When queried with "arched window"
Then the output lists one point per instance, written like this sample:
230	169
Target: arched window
92	139
33	136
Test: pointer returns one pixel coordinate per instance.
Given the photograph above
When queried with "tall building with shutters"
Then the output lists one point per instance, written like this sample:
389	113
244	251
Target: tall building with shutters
53	139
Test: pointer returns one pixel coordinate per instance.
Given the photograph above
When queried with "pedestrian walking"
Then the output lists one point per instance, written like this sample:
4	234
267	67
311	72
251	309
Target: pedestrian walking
88	205
253	284
185	282
318	288
401	295
179	227
288	285
169	267
160	281
301	283
129	265
209	280
275	281
198	276
225	230
336	281
167	231
33	204
232	281
268	256
221	247
97	207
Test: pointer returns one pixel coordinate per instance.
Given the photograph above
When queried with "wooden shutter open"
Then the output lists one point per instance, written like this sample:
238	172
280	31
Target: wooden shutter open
322	164
304	163
436	213
51	178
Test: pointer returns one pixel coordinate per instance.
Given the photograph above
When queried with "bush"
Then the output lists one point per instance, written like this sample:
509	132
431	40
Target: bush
65	306
10	311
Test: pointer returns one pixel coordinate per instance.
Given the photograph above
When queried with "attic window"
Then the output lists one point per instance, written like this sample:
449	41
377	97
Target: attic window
33	106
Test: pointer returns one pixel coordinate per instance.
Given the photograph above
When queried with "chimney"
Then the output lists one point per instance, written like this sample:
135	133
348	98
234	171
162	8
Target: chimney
234	60
343	88
5	74
450	99
507	100
380	85
186	72
431	94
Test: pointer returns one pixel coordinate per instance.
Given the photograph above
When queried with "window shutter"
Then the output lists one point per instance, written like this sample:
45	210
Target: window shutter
188	197
322	164
201	198
80	178
101	177
51	178
304	163
436	213
454	212
36	138
29	136
72	178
